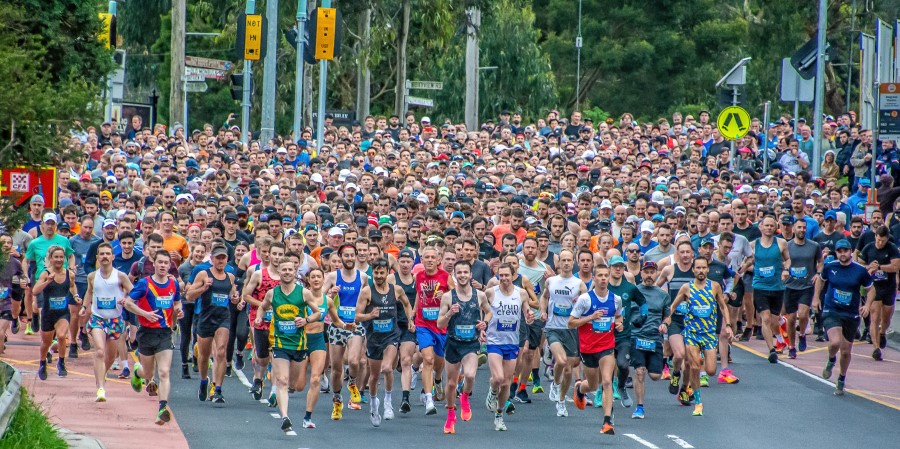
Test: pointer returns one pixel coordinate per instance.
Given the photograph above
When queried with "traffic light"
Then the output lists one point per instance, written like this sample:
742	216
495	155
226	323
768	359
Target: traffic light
237	86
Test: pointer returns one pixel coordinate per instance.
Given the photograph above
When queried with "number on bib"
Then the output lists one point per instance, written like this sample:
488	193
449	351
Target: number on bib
603	324
766	272
106	303
220	299
164	302
560	309
507	325
287	327
59	303
430	313
383	326
843	297
645	345
701	311
347	313
465	331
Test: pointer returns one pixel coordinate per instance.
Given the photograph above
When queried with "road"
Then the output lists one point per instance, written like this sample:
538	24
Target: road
772	406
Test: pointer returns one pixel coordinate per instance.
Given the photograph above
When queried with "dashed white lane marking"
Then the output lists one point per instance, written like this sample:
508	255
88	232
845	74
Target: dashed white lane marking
240	375
677	440
642	441
275	415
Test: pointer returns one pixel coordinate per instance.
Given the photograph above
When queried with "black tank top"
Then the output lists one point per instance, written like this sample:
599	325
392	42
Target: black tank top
56	294
410	290
549	261
462	325
679	278
386	322
217	297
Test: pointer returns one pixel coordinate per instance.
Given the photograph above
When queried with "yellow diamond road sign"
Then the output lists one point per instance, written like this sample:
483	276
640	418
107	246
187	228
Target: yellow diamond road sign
733	122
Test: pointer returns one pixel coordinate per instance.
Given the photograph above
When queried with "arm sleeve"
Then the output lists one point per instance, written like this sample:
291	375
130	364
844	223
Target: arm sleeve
139	290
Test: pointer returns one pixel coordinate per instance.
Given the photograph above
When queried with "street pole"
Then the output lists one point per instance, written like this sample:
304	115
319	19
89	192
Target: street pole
248	76
323	85
820	89
185	124
578	62
875	137
107	115
473	24
298	80
267	128
796	103
734	102
766	136
176	94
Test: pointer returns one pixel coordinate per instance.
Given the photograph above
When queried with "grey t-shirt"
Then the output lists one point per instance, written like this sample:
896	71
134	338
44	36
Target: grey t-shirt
481	272
81	247
657	253
658	303
804	259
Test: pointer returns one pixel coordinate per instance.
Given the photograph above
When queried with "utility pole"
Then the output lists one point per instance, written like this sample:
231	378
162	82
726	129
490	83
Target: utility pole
298	80
578	62
108	107
267	129
820	89
245	88
473	25
363	73
323	87
176	93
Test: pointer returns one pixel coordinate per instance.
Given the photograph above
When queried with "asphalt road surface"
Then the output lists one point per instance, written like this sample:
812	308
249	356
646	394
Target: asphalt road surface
772	406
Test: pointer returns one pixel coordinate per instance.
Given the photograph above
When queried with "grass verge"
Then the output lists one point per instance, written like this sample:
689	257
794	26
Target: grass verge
30	428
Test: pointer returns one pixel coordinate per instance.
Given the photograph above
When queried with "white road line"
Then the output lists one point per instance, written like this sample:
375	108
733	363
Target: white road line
242	378
642	441
275	415
291	433
677	440
264	401
807	374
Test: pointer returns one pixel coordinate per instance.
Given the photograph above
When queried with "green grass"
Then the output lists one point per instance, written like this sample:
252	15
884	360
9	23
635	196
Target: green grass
30	428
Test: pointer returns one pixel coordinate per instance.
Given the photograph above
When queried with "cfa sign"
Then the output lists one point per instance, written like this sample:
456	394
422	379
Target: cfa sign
21	183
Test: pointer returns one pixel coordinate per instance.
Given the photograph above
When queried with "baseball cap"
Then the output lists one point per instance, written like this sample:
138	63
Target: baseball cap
707	241
406	253
49	216
616	260
787	219
218	250
842	244
335	231
231	216
647	226
831	214
37	199
649	264
109	223
606	204
375	234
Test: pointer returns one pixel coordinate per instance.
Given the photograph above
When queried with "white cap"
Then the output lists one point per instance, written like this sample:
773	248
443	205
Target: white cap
281	150
605	204
353	186
647	226
657	197
317	178
810	203
343	174
745	189
335	231
589	154
423	198
426	119
435	180
380	171
762	189
184	196
680	210
109	222
50	216
661	180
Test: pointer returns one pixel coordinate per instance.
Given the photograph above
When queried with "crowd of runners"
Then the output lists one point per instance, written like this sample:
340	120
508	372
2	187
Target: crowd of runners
590	256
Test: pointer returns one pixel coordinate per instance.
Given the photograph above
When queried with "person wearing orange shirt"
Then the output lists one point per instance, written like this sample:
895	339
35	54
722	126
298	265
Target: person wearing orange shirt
516	219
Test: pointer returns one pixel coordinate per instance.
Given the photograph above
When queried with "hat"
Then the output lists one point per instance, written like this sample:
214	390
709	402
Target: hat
184	196
37	199
231	216
218	250
831	214
649	264
707	241
49	216
374	234
842	244
335	231
316	177
864	182
64	227
451	231
109	223
281	150
658	217
85	177
810	203
744	189
406	253
616	260
361	221
647	226
605	204
680	210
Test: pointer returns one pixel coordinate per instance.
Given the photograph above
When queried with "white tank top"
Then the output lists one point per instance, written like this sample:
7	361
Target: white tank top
563	294
107	293
506	312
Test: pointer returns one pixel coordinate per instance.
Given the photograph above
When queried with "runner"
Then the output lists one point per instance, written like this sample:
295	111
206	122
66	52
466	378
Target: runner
262	280
431	284
383	337
720	272
630	298
12	285
290	315
841	281
462	315
344	287
56	286
557	301
702	297
882	261
675	276
156	301
806	260
647	354
405	279
507	305
530	336
597	315
216	289
771	263
105	297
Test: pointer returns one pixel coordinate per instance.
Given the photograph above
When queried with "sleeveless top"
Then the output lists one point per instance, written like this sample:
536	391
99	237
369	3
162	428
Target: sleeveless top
506	312
679	278
216	298
549	261
287	307
266	283
702	309
56	295
254	259
410	291
429	290
107	292
535	275
563	292
462	325
767	267
385	325
303	270
348	296
598	335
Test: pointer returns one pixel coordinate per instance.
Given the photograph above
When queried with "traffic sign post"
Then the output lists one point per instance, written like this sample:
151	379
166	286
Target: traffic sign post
419	101
733	122
253	37
207	63
195	86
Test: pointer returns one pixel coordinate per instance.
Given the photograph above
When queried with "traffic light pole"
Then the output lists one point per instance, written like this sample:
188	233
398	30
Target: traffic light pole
248	75
323	77
108	107
298	81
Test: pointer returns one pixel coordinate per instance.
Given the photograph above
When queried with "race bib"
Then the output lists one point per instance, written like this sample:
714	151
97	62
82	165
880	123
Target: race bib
766	272
465	331
430	313
682	308
603	324
879	275
560	309
220	299
267	316
4	292
644	345
507	325
843	297
798	272
287	327
383	326
164	302
106	303
59	303
347	313
701	311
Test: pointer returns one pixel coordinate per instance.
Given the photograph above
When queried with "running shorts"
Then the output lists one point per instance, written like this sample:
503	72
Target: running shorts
289	354
592	360
849	326
50	317
425	337
531	334
261	343
340	337
153	341
208	325
706	341
568	338
315	342
113	327
508	352
650	359
455	351
793	299
768	300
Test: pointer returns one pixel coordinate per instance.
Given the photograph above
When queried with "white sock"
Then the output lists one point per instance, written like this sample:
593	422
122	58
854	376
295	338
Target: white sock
125	364
387	397
428	398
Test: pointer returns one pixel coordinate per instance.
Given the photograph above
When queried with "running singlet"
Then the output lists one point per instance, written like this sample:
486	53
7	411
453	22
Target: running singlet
107	292
429	290
506	312
702	309
56	295
215	300
286	308
157	298
536	276
596	335
563	292
410	291
348	296
385	325
462	325
679	278
266	283
767	267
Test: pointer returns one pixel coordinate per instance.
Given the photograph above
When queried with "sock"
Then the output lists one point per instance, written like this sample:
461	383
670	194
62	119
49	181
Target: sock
204	381
697	397
218	389
842	377
607	420
406	395
522	387
676	373
536	376
337	397
428	398
162	404
640	405
388	395
307	416
125	364
514	387
498	413
832	359
779	339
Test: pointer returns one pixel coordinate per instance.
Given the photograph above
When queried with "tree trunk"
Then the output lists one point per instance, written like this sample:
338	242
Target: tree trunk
363	73
176	92
400	89
473	25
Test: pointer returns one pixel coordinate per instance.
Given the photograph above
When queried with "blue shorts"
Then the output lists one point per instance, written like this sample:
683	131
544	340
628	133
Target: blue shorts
426	337
509	352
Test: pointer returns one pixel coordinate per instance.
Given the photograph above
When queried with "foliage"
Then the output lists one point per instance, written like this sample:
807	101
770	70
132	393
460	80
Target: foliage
30	428
596	114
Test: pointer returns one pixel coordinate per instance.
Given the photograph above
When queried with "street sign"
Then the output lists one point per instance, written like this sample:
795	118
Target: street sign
253	37
793	86
326	24
426	85
733	122
419	101
889	111
193	86
205	73
206	63
193	77
21	183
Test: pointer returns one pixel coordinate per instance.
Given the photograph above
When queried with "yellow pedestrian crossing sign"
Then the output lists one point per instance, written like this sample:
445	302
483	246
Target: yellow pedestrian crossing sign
733	122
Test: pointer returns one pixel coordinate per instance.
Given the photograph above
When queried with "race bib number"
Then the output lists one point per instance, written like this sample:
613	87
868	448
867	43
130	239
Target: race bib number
798	272
843	297
430	313
682	308
603	324
106	303
879	275
287	327
766	272
701	311
465	331
560	309
267	316
164	302
507	325
59	303
220	299
347	313
383	326
644	345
